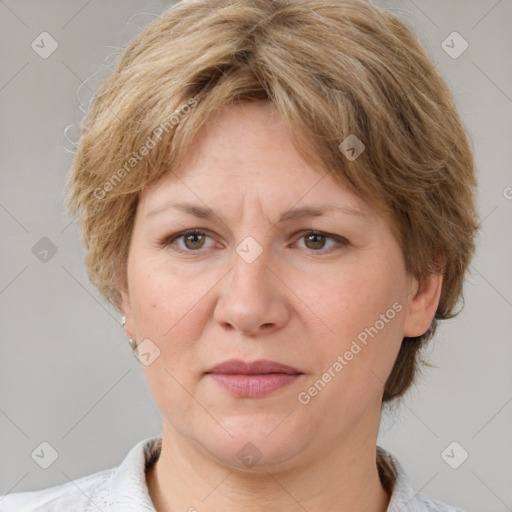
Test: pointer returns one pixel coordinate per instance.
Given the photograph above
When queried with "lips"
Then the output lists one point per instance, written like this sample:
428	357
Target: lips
253	379
260	367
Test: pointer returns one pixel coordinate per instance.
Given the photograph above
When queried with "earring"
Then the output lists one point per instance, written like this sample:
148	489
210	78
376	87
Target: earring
133	343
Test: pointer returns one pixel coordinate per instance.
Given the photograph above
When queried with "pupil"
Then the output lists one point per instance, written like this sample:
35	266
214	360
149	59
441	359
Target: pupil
315	236
190	237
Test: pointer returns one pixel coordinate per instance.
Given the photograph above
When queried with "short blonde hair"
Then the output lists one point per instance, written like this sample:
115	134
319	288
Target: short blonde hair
333	69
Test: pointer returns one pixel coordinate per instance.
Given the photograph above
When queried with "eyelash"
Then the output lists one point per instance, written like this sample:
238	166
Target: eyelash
170	239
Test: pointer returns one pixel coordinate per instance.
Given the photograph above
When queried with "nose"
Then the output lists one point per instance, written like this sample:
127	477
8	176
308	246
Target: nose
253	297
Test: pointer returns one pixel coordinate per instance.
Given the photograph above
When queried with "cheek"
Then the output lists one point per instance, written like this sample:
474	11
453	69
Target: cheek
160	297
165	310
356	301
363	309
171	309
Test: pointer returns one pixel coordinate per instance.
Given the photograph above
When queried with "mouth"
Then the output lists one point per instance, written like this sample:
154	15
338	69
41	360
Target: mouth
253	379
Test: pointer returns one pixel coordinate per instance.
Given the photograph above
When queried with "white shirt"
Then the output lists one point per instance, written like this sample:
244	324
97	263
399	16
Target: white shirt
124	489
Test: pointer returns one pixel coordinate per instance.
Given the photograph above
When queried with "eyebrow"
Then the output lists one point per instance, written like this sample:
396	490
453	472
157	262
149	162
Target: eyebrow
292	214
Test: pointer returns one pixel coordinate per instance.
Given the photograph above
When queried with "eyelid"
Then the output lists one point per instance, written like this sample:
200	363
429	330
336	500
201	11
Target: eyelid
340	240
168	240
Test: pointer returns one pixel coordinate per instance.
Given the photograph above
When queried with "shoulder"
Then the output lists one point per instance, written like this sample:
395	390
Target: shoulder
119	489
424	504
403	497
81	495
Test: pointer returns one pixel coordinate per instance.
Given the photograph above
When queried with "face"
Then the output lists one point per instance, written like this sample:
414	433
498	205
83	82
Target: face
326	295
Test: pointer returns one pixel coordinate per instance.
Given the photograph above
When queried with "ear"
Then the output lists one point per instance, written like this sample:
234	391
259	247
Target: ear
424	299
127	310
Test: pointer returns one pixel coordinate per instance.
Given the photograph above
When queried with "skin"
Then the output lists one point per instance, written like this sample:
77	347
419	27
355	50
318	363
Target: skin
301	302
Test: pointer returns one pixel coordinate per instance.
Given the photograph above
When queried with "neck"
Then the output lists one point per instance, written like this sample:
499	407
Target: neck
344	478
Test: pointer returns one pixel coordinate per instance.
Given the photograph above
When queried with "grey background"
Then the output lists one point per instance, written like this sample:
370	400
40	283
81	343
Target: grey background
67	375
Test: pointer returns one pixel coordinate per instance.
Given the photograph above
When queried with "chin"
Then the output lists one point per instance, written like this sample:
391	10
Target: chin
258	443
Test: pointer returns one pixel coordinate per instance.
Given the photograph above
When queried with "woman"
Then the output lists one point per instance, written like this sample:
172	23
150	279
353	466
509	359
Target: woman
279	198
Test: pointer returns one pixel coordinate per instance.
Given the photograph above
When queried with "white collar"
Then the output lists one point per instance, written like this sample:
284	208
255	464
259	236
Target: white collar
129	492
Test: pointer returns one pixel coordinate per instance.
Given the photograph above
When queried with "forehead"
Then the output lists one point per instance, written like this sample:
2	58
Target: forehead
247	151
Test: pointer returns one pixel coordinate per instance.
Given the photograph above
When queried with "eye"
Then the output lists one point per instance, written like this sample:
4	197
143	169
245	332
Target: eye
316	240
193	239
